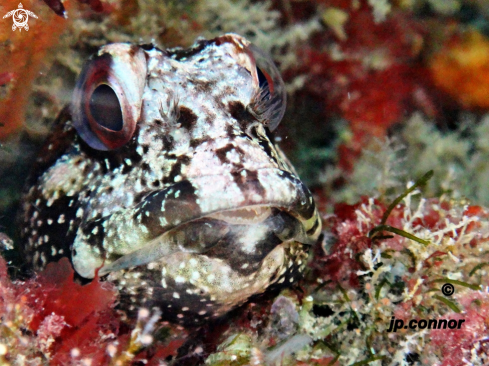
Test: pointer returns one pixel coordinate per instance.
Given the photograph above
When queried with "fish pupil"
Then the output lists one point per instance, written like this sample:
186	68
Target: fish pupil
105	108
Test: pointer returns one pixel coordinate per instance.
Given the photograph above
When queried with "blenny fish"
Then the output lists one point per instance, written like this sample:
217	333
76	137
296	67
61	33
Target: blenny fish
163	177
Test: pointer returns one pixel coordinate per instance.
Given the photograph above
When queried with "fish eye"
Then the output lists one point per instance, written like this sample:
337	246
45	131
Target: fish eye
269	102
262	79
105	108
108	95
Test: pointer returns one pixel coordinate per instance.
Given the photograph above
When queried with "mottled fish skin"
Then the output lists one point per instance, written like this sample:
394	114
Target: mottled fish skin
198	211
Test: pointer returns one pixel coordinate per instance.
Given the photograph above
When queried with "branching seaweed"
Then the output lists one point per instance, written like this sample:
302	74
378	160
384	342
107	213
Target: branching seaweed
383	227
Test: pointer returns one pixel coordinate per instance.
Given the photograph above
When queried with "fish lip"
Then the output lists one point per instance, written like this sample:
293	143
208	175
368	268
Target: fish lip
190	200
203	196
248	215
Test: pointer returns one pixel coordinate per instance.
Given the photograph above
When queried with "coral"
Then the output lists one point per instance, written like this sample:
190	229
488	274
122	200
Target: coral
461	69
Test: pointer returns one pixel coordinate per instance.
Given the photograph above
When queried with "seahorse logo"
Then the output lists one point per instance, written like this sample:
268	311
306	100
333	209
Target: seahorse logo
20	17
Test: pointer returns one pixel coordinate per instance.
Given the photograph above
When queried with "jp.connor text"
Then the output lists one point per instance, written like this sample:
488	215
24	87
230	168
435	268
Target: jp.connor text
423	324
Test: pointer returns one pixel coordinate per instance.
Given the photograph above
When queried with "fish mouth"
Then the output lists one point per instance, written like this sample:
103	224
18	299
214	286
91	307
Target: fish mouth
247	225
243	216
199	213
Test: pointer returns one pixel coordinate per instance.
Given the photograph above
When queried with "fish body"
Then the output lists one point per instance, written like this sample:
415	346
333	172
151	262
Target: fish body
162	176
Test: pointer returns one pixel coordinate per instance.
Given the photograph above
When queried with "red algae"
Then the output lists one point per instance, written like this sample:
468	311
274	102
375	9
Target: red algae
371	76
23	54
459	346
387	275
63	296
162	353
52	318
341	265
63	317
83	315
83	312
